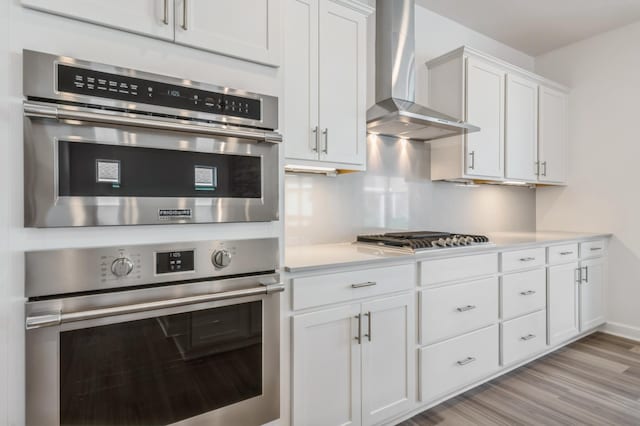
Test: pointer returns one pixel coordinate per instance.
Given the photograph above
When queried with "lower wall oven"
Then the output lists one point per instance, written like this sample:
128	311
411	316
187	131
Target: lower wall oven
203	350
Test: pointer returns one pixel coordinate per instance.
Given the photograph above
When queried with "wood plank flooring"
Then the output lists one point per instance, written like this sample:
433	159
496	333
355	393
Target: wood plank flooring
594	381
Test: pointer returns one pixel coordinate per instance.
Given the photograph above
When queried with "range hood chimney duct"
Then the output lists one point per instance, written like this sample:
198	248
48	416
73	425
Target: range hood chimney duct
395	113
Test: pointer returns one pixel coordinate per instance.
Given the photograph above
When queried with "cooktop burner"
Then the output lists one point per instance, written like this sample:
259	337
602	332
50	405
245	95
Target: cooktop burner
423	240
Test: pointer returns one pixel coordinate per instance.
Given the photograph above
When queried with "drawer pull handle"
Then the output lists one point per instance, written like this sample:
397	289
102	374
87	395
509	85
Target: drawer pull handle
595	248
368	335
528	337
527	293
466	361
359	335
527	259
565	253
466	308
367	284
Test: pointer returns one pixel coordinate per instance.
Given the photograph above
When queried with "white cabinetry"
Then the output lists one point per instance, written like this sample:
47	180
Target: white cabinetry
522	119
592	296
354	364
147	17
245	29
203	24
553	138
563	302
521	129
325	67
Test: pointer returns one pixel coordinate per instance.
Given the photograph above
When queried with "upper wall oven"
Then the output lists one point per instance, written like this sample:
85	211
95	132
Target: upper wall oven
106	145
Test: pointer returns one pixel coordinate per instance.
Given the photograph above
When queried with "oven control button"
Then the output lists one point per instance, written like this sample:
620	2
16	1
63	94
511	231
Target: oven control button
221	258
121	267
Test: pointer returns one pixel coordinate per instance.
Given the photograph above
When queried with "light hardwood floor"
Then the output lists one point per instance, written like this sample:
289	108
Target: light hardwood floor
594	381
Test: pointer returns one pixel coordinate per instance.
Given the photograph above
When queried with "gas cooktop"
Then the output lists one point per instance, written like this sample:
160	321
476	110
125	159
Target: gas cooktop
423	240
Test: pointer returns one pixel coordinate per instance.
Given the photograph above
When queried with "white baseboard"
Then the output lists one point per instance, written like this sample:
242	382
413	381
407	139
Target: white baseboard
622	330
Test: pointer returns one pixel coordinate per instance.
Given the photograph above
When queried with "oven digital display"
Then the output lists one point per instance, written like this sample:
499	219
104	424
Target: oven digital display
174	261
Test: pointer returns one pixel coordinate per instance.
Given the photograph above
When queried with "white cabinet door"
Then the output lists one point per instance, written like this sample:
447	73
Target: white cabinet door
301	79
562	294
388	358
592	304
553	136
521	138
245	29
485	109
148	17
342	84
326	368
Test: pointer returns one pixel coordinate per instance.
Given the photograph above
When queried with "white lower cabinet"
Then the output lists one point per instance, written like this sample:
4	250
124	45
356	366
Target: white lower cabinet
459	362
562	304
523	337
354	364
522	293
592	297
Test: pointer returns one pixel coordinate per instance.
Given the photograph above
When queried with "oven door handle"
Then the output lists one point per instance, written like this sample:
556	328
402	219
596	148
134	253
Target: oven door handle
126	119
58	318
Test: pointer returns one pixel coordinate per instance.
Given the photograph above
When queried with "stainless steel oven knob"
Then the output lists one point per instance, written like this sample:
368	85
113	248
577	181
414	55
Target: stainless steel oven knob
221	258
121	267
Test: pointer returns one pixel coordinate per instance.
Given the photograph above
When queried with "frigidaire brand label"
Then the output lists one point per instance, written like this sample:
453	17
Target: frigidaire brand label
169	214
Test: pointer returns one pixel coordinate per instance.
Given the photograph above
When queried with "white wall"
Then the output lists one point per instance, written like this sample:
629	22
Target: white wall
26	29
396	192
602	196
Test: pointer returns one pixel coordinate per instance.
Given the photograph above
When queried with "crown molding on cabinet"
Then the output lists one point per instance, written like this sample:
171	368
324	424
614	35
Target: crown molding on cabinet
356	5
466	50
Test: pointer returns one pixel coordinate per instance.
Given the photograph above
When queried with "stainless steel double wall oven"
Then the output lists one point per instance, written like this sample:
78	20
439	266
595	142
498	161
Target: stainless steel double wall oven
106	145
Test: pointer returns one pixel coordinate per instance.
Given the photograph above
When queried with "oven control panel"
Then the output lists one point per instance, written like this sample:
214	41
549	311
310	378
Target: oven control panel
174	261
89	82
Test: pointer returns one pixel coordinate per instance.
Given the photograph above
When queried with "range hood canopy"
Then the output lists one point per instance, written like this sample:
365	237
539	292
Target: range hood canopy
395	113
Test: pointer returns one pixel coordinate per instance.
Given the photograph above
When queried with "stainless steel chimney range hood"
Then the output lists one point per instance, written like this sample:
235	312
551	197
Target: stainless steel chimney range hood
395	113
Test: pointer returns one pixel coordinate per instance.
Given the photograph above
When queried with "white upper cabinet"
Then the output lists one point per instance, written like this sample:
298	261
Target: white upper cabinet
522	119
245	29
149	17
521	129
485	108
325	83
553	140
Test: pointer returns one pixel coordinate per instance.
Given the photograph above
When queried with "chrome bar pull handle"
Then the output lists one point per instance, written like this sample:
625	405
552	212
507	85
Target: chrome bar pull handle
466	308
595	248
368	335
586	274
528	337
165	16
361	285
359	335
544	168
466	361
527	293
578	275
472	154
325	132
527	259
565	253
185	10
536	168
316	136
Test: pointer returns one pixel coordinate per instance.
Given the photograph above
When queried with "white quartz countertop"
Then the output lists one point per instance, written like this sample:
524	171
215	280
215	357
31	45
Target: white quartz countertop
322	256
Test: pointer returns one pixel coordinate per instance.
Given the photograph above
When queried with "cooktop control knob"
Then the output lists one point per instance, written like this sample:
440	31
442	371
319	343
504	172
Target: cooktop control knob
121	267
221	258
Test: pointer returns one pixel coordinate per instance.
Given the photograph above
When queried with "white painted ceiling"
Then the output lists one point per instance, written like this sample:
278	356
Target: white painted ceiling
538	26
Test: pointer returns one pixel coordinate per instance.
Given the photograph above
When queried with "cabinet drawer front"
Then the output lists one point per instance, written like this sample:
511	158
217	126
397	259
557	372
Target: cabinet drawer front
457	268
523	259
563	254
523	293
524	337
593	249
456	363
456	309
344	286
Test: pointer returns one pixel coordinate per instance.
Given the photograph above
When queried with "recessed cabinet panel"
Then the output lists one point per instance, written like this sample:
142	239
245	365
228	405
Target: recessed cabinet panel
326	368
300	83
485	108
342	84
592	296
245	29
553	139
149	17
521	138
562	305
